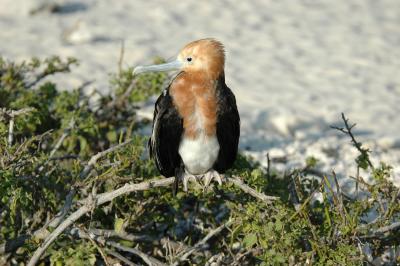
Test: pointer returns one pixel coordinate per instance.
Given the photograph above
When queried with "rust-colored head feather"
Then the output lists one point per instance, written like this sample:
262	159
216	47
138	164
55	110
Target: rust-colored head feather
205	55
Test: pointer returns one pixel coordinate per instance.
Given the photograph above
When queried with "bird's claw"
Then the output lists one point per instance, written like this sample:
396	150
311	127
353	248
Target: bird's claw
209	176
186	178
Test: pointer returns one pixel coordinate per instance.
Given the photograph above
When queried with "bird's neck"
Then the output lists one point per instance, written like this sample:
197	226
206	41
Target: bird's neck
194	96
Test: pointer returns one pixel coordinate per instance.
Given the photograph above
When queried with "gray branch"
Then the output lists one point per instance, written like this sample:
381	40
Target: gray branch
71	125
93	160
10	115
239	183
90	203
382	230
184	255
120	257
146	258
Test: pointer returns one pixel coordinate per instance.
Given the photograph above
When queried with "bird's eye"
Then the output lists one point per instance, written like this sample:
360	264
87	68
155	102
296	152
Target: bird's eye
189	59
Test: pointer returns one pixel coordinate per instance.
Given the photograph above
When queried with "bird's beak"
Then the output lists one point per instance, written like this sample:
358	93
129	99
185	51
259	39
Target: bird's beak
174	65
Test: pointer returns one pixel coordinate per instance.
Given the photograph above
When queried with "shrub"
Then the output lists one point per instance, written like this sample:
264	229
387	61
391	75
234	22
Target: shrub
51	163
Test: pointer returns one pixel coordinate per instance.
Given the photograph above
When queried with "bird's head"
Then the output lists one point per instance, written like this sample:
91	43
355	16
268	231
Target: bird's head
205	55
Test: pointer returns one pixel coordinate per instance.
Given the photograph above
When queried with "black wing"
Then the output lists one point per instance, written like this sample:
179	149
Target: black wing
228	127
166	135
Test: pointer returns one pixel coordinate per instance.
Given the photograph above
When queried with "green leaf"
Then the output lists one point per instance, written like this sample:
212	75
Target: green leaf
278	225
118	225
249	240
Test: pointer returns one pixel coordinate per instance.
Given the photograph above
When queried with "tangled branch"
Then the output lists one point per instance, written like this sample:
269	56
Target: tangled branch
90	203
11	115
348	131
184	255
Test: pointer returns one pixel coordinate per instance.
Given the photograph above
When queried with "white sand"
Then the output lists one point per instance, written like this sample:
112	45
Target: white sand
293	65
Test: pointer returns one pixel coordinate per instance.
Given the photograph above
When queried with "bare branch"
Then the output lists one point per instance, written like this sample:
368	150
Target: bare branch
123	235
56	220
99	249
71	125
11	132
129	90
294	197
64	157
306	201
93	235
60	215
146	258
184	255
43	232
392	203
105	233
356	144
87	234
89	204
64	225
239	183
10	115
382	230
120	257
7	114
97	156
340	205
268	167
62	67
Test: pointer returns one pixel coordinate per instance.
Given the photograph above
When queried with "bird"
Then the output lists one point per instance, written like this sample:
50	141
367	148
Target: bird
196	123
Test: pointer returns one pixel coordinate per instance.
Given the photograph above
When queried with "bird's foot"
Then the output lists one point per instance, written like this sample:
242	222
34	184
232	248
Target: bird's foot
206	179
186	177
212	175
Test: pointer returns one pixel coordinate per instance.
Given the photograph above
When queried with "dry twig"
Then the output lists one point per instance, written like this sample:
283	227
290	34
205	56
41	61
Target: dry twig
347	131
99	249
239	183
97	156
90	203
382	230
59	217
123	235
268	167
120	257
60	141
10	115
87	234
184	255
146	258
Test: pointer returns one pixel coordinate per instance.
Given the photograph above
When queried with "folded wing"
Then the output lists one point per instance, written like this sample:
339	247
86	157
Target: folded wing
166	135
228	127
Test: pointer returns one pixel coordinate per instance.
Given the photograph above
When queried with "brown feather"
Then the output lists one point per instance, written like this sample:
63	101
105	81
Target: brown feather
194	93
209	54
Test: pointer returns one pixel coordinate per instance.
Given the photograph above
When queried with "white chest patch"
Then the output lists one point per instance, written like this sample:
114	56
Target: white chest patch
200	154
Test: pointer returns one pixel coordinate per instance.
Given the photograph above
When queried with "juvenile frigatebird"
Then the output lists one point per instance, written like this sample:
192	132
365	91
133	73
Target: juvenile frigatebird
196	123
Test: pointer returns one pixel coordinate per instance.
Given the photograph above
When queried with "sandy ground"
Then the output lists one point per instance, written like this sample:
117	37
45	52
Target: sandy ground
293	65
